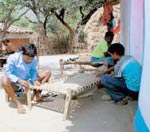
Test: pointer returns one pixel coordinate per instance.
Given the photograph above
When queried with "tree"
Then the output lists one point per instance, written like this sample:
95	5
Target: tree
39	8
10	12
72	14
71	10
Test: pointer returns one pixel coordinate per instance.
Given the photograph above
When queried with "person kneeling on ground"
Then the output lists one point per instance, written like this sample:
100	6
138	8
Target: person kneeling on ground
20	68
127	75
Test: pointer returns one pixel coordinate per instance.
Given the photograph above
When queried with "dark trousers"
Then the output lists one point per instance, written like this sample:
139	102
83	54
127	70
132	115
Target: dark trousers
117	88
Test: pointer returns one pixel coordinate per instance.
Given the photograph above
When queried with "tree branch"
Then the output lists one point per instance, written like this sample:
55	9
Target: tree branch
18	17
59	17
81	12
30	20
87	17
45	22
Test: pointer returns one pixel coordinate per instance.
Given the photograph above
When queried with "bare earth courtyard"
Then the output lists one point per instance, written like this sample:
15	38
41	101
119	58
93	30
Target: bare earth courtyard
90	115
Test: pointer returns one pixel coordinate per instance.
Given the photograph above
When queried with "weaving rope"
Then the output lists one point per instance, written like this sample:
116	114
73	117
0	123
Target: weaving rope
78	83
70	86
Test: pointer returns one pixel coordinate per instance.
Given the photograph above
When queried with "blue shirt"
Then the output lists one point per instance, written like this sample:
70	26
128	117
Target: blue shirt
132	74
17	68
131	71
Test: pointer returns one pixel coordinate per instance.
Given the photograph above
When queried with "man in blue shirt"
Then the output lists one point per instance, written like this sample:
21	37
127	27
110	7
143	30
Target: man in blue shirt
21	68
127	75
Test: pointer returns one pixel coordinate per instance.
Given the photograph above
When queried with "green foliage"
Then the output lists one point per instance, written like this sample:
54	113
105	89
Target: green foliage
54	27
23	22
74	12
9	10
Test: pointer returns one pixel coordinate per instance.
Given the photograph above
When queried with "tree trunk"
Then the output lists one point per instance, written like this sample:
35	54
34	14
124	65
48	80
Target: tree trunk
41	40
77	32
4	29
71	40
71	36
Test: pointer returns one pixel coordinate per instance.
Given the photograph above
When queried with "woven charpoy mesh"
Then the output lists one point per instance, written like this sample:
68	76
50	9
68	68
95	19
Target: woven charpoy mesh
77	83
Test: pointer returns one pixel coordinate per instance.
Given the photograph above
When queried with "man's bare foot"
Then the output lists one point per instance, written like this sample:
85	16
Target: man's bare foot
37	98
21	109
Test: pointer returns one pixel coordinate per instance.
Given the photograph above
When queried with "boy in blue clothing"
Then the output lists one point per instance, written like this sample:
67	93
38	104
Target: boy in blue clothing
20	68
127	75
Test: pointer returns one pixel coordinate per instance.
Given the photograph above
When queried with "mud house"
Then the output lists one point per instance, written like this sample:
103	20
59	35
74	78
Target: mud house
17	36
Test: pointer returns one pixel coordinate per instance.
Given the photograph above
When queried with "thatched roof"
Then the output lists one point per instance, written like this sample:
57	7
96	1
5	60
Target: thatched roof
16	30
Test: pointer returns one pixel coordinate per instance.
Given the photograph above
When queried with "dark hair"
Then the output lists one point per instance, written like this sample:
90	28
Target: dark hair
116	48
29	49
109	33
5	41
